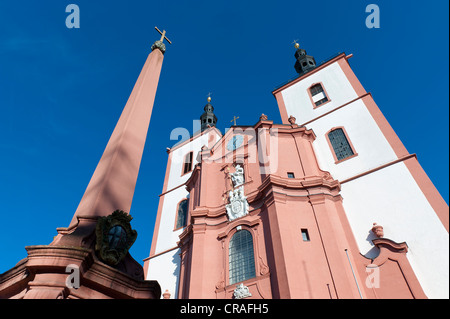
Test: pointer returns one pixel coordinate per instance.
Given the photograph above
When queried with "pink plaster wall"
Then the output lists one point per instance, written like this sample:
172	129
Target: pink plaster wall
329	265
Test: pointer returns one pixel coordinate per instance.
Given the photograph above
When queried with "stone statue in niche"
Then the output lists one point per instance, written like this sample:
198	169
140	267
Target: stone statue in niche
238	206
238	176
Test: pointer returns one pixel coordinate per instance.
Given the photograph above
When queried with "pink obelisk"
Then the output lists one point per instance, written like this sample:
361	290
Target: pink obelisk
113	182
100	268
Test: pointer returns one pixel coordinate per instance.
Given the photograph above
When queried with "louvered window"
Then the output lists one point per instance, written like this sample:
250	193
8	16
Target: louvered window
318	94
187	163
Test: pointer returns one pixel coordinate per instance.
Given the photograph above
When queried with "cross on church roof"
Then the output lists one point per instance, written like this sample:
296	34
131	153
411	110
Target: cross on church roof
163	35
234	119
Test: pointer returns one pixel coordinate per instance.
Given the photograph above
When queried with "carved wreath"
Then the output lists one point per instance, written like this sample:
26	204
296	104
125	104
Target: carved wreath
114	237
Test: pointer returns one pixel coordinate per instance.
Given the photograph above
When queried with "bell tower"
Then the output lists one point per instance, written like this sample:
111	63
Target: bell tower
174	209
208	117
304	62
355	143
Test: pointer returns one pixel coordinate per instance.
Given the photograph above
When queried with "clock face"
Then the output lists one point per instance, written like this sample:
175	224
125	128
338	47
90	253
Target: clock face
235	142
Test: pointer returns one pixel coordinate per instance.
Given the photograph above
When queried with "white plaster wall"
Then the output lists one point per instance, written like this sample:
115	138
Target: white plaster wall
391	198
167	237
176	168
165	269
368	141
336	84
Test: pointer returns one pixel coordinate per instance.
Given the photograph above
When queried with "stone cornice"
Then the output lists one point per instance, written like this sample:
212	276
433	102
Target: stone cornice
273	188
45	260
236	222
391	245
293	183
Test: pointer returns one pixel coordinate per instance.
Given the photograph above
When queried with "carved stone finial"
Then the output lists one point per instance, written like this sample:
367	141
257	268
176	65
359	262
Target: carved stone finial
166	294
263	117
292	120
378	230
159	45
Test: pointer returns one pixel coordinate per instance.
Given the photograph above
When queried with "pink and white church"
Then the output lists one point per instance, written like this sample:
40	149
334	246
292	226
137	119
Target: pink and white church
327	204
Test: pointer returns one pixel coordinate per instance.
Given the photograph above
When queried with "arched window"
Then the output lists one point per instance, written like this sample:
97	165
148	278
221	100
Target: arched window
241	257
187	167
182	214
318	94
340	144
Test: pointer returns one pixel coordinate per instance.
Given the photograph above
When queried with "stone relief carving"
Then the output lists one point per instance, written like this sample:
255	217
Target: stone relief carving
114	237
241	292
264	269
238	205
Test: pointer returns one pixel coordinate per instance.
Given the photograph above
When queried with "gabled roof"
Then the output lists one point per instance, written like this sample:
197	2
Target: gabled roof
319	66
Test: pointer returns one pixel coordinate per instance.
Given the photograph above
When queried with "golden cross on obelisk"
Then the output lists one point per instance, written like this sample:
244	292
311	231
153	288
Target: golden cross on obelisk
234	120
163	35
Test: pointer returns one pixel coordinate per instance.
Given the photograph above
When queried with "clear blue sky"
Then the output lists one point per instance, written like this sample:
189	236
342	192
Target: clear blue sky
62	90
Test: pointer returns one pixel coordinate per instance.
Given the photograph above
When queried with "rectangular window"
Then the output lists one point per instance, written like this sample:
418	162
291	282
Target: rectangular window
188	163
182	214
318	94
290	175
316	89
305	234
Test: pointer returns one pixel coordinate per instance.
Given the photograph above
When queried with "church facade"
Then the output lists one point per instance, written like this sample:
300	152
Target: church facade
327	204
